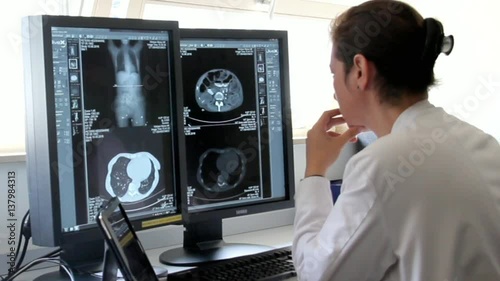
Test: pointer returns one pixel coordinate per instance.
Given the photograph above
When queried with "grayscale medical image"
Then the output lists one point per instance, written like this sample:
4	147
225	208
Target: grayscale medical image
223	164
129	103
132	177
126	82
219	84
219	90
221	169
131	164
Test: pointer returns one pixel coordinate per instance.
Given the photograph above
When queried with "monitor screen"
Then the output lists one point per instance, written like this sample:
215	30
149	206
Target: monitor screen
118	125
233	122
237	127
103	116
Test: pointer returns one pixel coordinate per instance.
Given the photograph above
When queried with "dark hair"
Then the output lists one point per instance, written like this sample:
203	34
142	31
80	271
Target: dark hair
394	36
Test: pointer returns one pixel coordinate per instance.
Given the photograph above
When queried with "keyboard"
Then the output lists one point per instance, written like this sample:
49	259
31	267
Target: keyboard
272	265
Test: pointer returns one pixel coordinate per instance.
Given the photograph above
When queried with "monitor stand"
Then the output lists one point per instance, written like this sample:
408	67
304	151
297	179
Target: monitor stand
203	243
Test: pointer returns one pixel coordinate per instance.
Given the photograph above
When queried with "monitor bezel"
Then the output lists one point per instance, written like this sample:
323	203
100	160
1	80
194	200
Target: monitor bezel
203	215
48	145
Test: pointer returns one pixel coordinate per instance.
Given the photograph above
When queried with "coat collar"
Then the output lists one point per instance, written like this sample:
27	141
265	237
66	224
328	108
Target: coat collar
407	117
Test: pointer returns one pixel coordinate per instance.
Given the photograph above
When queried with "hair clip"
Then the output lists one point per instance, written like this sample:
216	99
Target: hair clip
447	45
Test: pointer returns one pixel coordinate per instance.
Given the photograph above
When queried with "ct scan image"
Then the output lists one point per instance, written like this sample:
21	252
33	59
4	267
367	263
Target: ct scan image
219	90
222	165
133	165
221	169
132	176
219	84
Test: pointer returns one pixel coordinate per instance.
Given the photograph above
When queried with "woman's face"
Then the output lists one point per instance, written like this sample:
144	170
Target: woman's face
344	87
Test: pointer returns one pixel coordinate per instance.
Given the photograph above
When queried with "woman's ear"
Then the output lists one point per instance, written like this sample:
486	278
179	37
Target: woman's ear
363	71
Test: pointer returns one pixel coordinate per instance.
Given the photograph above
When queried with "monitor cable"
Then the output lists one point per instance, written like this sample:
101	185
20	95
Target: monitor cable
25	231
51	257
46	258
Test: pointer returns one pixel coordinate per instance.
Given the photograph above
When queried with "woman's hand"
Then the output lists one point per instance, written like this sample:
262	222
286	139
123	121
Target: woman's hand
323	146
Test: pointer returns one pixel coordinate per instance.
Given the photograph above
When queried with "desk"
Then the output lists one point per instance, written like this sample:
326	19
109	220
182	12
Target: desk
276	237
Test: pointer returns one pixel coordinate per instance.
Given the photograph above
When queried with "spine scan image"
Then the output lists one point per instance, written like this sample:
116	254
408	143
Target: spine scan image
219	90
130	103
221	169
132	177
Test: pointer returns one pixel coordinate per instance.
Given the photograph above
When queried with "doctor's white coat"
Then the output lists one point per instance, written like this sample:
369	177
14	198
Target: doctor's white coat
419	204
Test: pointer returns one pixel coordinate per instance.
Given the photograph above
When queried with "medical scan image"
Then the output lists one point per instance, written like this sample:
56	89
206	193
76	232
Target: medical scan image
132	177
118	85
221	170
216	84
219	90
129	104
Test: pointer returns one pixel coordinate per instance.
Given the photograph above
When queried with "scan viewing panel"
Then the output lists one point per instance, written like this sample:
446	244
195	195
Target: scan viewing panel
233	125
113	120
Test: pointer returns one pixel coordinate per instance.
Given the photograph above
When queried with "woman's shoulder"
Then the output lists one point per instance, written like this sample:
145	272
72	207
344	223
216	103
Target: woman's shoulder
382	154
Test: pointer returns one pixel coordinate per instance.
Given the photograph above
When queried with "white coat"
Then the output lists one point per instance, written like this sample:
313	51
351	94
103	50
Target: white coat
419	204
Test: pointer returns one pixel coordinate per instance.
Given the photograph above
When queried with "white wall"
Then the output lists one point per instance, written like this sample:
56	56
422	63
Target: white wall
470	76
12	113
11	72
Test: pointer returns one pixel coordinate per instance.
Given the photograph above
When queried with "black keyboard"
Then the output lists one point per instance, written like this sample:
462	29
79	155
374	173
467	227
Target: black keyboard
271	265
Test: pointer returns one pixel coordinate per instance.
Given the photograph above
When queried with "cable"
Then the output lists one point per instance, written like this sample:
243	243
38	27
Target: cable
21	237
23	253
50	255
26	232
61	263
21	234
54	253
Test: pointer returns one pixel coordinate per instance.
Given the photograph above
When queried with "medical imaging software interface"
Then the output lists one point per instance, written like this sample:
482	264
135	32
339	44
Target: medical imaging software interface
113	122
233	125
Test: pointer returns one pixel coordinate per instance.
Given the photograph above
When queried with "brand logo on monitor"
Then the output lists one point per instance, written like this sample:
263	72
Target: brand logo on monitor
242	212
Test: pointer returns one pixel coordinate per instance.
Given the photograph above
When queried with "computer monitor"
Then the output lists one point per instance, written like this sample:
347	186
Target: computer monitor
104	111
238	136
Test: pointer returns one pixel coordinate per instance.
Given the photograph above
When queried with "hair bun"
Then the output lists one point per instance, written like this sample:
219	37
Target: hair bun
435	41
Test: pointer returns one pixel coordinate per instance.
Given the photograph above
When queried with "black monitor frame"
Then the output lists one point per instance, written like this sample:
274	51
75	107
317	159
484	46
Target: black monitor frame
203	237
42	162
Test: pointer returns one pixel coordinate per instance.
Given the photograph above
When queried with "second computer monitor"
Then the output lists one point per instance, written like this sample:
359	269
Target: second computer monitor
237	122
237	132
